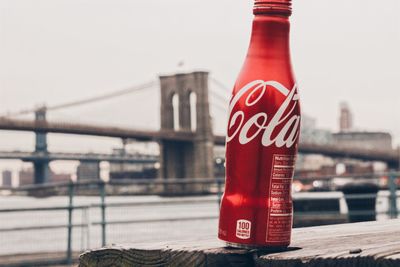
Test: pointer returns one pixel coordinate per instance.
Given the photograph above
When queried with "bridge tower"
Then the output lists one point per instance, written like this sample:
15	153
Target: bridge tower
185	107
41	167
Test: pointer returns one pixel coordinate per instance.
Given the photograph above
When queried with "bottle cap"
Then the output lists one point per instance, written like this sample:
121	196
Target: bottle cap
273	7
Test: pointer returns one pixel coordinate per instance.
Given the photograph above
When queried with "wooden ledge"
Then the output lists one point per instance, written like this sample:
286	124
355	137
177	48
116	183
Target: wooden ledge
359	244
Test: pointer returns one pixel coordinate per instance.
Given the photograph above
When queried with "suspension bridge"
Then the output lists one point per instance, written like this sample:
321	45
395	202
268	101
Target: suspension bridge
185	138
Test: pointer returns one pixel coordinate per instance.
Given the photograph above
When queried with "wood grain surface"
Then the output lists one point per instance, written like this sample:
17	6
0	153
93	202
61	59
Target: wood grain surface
359	244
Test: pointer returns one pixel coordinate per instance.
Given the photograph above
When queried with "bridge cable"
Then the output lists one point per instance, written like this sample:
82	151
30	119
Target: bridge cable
104	97
87	100
220	98
221	85
221	106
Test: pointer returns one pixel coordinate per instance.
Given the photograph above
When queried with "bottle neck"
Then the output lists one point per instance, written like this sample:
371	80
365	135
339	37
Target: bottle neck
273	7
270	36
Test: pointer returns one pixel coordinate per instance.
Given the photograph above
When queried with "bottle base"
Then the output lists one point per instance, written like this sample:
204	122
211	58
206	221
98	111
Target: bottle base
251	247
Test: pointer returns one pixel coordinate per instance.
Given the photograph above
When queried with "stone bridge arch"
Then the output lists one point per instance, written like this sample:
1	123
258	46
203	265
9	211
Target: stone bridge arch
192	159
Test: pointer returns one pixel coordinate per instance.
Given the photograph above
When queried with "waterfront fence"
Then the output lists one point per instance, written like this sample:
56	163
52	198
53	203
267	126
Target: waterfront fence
160	187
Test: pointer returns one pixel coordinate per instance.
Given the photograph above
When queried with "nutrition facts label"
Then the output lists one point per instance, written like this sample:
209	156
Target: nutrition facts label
280	216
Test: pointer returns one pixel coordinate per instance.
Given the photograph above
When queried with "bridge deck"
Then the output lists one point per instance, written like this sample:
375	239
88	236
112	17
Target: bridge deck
360	244
37	156
389	156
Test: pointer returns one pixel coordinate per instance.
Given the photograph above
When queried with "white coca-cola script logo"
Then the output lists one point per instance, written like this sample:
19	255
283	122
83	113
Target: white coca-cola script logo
239	124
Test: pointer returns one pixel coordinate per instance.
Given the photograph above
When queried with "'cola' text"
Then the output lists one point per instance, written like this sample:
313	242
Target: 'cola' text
241	125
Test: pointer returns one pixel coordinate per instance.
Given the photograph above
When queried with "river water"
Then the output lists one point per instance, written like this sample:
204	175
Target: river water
89	236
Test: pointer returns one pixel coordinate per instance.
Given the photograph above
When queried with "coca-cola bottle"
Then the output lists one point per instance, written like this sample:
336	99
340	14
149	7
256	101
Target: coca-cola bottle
262	137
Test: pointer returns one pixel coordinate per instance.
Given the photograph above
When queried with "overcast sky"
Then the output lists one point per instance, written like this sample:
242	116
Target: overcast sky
52	51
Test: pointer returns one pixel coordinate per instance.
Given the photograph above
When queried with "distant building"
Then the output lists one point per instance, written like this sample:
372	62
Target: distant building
315	173
59	177
365	140
313	163
88	170
359	167
134	173
122	170
318	165
7	178
25	177
133	170
346	118
311	134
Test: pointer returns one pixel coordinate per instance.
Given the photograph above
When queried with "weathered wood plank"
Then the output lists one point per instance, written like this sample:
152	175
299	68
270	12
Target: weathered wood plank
120	256
360	244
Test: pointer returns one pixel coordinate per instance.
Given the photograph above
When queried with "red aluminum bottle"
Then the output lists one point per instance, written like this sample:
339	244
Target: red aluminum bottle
262	137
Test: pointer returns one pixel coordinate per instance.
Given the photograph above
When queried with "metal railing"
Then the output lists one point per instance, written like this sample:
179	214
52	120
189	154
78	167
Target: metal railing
214	186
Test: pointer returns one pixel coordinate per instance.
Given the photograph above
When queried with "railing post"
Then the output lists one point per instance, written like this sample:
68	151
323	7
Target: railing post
88	224
70	210
103	212
393	212
85	229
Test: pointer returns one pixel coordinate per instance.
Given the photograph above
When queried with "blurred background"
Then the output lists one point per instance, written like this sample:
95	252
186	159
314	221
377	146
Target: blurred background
93	152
